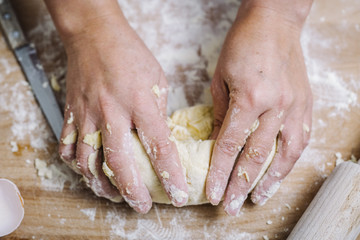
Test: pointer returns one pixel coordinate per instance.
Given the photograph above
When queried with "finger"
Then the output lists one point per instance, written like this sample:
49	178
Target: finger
154	135
252	162
160	93
89	161
220	97
121	166
290	147
67	145
307	125
231	139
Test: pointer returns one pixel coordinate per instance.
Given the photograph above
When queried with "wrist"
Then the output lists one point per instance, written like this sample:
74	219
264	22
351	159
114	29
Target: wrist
102	30
75	19
292	13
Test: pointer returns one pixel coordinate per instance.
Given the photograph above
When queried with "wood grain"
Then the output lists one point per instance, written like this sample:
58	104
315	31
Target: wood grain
73	212
334	213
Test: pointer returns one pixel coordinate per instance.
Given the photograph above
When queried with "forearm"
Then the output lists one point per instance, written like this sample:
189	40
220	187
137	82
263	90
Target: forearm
293	11
75	17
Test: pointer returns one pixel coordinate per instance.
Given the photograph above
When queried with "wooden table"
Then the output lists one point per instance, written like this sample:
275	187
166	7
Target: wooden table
62	208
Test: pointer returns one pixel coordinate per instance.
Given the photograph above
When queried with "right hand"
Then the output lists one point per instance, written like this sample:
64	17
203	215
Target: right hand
109	81
260	75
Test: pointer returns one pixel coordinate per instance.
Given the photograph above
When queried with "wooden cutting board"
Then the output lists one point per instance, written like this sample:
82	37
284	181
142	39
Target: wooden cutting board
62	208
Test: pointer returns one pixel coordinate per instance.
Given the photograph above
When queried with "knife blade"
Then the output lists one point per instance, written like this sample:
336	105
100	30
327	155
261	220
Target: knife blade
27	58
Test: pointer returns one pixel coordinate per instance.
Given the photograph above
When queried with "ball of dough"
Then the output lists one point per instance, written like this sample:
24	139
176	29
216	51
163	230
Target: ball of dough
190	128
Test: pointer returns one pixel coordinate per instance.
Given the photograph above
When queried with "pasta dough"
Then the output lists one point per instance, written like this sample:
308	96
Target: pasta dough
190	127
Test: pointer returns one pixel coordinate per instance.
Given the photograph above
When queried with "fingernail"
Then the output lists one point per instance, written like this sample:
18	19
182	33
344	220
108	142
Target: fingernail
258	199
216	194
139	206
178	197
255	198
233	207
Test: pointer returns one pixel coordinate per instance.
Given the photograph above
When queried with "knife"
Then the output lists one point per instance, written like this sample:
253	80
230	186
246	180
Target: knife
26	56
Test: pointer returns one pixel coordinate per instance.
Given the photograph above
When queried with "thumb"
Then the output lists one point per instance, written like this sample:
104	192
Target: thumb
220	95
161	92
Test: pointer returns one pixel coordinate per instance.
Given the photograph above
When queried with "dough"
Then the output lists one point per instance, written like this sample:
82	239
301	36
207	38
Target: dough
190	127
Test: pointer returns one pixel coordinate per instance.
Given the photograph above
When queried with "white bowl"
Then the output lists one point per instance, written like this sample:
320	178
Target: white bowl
11	207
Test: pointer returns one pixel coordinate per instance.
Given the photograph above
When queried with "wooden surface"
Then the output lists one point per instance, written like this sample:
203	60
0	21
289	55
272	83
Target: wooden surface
70	211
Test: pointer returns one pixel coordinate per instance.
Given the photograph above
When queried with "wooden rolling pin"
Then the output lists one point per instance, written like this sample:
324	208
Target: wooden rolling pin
334	213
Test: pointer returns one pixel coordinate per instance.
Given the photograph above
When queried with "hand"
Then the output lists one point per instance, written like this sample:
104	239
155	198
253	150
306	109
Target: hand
260	75
110	87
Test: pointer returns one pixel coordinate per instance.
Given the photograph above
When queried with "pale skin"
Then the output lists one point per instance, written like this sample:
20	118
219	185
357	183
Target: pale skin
260	75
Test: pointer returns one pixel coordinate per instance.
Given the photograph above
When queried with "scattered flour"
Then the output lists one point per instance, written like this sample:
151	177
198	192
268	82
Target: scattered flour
186	38
14	146
187	43
54	175
16	99
175	227
339	159
90	212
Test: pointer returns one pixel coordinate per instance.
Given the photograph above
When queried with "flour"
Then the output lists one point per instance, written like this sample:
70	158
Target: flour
185	40
174	227
187	43
14	146
55	175
340	160
16	99
90	212
330	89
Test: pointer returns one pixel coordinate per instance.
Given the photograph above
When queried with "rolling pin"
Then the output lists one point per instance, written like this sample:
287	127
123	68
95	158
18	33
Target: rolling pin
334	213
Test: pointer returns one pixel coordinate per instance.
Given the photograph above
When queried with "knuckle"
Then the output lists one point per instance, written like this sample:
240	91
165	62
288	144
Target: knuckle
82	159
138	98
105	102
162	149
217	122
106	108
294	153
256	97
66	157
235	96
286	100
66	154
228	147
110	156
128	189
257	155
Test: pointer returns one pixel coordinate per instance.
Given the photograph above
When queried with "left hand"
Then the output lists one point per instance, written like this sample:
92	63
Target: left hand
260	75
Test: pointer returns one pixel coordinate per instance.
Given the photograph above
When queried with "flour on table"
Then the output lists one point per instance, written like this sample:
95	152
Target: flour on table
42	169
185	32
55	174
340	159
14	146
90	212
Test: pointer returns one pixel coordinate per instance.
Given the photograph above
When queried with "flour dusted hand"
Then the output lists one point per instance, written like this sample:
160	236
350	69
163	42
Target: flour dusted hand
260	76
190	130
114	85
